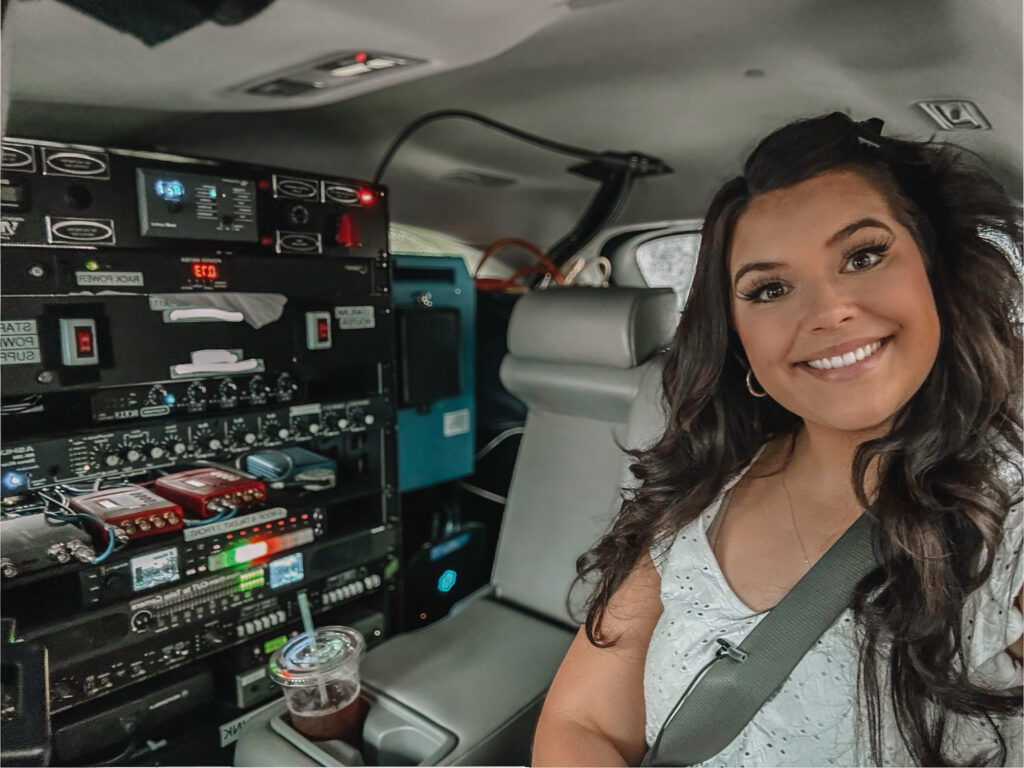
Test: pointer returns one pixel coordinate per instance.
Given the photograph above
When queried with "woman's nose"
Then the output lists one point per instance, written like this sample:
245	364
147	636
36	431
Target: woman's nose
829	306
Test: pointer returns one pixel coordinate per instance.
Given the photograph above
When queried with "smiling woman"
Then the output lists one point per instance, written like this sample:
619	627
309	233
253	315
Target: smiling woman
840	327
848	349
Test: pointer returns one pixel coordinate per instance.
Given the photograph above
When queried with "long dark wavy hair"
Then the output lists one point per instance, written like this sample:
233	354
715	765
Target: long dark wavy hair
941	500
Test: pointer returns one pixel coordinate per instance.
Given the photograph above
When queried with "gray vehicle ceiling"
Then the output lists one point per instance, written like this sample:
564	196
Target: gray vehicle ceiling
694	82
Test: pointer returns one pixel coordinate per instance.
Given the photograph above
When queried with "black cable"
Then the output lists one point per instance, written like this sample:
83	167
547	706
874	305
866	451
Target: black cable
540	141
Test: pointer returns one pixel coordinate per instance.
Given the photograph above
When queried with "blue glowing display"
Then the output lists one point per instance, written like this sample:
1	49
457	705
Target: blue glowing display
286	570
447	581
14	480
169	189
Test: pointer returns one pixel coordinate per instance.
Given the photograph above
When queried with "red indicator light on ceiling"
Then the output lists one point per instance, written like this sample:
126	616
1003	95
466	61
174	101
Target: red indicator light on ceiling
366	196
83	340
263	184
361	57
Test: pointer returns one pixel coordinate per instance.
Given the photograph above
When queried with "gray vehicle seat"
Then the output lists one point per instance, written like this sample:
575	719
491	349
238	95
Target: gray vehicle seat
582	359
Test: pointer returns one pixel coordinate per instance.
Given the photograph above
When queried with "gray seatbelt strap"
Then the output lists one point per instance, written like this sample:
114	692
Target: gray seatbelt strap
711	713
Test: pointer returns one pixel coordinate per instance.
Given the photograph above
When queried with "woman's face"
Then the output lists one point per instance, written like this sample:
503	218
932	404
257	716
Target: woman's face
832	303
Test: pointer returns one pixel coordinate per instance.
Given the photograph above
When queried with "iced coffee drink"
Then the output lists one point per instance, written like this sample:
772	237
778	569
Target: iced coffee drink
320	680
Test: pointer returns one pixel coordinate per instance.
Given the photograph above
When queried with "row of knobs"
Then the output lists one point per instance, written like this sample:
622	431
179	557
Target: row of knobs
344	423
227	390
213	444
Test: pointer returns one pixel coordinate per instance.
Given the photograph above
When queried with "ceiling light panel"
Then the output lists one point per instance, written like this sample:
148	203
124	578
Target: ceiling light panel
325	73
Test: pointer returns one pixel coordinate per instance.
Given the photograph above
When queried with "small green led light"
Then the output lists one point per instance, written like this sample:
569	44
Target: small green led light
272	645
92	265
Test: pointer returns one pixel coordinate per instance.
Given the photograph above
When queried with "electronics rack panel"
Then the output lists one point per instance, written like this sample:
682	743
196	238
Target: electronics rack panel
169	319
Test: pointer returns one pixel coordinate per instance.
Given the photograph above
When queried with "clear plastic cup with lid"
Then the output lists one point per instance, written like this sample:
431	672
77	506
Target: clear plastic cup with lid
320	681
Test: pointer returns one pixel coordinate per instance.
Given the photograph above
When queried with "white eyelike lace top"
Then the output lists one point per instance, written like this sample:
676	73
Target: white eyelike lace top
813	719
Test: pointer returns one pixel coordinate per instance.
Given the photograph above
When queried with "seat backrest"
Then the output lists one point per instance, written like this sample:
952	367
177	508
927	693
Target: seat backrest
582	361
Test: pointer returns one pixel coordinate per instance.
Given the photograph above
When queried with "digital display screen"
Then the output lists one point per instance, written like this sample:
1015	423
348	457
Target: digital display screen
169	189
286	570
154	569
204	270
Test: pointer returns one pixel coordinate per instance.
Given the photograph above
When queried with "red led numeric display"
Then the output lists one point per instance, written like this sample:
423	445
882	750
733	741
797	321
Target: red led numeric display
203	270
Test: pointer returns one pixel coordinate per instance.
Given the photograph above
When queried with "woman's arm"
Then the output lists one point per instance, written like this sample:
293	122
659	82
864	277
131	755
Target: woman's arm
594	712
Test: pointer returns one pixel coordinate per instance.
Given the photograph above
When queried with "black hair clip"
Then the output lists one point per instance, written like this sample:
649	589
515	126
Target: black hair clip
869	132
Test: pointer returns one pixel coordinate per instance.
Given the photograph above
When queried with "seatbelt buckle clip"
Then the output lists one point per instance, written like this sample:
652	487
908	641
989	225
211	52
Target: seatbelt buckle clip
734	652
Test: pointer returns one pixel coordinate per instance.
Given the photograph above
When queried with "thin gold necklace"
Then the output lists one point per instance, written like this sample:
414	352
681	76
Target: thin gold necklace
792	517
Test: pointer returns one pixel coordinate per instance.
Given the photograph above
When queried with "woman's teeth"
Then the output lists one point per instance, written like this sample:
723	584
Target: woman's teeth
841	361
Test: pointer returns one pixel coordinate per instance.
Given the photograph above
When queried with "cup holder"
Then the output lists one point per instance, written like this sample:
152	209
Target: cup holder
392	734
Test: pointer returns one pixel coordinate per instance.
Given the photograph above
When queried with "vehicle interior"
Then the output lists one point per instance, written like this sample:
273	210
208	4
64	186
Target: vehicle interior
344	314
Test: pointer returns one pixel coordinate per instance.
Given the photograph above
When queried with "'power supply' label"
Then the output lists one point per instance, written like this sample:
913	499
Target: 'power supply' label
19	342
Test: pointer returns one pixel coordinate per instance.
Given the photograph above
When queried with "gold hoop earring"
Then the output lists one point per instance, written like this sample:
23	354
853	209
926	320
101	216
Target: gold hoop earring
750	385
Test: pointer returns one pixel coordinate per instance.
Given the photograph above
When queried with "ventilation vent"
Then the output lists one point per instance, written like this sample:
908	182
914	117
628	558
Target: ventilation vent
466	176
956	115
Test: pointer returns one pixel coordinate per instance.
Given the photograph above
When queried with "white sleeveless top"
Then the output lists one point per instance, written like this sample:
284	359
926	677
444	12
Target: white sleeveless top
813	720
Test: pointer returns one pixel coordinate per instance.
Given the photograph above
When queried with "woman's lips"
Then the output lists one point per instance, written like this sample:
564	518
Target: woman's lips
849	371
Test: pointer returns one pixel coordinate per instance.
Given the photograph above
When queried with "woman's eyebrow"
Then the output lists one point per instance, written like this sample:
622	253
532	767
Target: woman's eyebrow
756	266
849	229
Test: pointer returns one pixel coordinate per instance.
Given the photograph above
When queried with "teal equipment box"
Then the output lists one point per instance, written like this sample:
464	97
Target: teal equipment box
435	303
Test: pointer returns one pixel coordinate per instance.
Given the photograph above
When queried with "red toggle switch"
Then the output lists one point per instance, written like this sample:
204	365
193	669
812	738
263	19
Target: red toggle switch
323	330
83	340
78	342
348	232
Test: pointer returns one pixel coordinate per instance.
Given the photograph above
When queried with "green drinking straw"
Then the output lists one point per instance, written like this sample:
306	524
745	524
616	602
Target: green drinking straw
307	624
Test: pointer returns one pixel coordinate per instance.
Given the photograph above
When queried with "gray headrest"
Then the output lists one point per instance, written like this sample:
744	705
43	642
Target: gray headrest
612	327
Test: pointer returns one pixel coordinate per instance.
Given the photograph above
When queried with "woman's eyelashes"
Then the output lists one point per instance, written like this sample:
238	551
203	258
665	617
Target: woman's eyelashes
859	258
765	290
865	256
